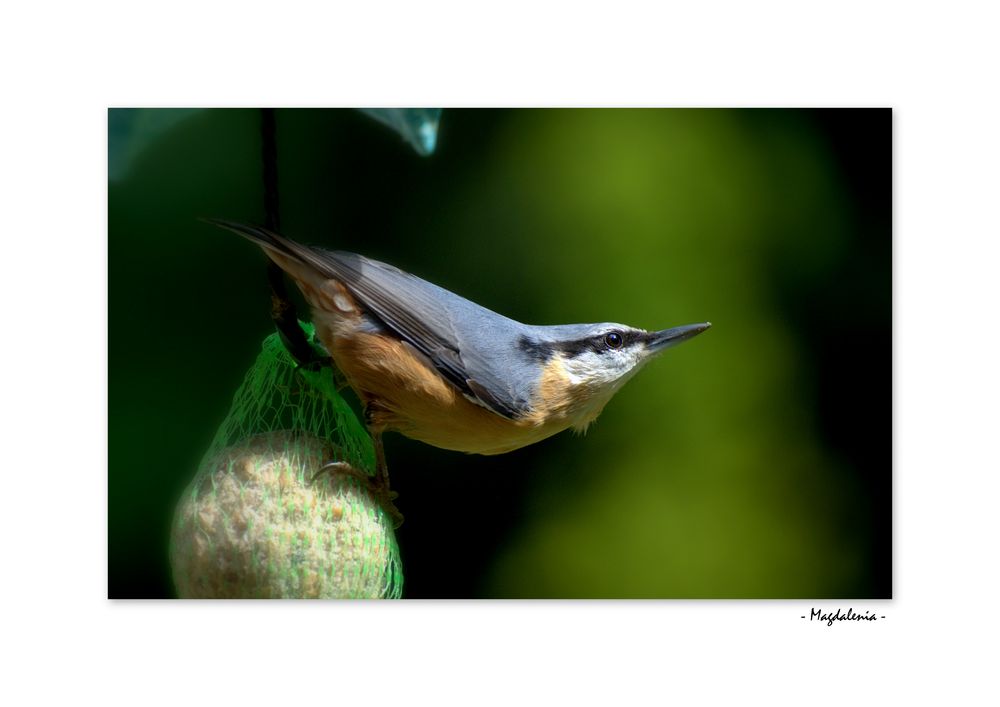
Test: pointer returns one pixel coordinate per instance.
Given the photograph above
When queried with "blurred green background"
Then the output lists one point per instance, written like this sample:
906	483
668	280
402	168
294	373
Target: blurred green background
754	461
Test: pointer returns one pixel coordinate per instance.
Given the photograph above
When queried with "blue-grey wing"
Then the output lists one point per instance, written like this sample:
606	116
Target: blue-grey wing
470	346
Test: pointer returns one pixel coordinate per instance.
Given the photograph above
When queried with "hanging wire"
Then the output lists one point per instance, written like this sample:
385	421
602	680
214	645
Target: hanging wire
282	308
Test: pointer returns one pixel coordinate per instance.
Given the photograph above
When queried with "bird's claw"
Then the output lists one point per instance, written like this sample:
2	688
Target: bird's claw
381	491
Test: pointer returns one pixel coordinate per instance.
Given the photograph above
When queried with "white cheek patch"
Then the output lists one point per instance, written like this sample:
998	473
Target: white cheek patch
596	369
609	370
573	374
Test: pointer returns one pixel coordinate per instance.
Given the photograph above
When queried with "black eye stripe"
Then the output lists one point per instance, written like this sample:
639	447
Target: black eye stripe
542	351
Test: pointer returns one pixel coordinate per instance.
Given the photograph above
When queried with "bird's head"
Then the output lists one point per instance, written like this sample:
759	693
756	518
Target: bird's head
609	354
586	364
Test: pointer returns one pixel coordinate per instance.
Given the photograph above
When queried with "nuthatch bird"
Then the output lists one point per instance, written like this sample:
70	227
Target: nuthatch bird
451	373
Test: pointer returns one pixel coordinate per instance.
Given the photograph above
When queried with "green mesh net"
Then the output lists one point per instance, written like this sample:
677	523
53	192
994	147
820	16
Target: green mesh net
256	521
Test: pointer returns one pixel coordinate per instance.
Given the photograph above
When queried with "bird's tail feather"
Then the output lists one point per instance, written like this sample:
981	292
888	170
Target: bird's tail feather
287	253
261	236
297	260
311	272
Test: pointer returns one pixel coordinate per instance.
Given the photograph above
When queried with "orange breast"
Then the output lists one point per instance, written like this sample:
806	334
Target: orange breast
403	392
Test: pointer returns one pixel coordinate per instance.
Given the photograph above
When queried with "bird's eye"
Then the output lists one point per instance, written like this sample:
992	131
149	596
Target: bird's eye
613	340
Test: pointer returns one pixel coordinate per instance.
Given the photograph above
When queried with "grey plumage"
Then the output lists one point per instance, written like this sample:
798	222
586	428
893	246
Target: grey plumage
491	358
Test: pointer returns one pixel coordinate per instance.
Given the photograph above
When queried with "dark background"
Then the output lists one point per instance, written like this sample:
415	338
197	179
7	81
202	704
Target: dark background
754	461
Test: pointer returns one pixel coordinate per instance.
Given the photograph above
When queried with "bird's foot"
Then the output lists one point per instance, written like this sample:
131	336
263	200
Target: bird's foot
380	490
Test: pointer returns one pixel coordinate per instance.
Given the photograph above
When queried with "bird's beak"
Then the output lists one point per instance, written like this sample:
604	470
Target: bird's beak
658	341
